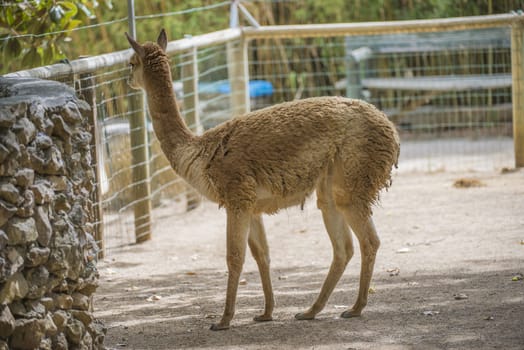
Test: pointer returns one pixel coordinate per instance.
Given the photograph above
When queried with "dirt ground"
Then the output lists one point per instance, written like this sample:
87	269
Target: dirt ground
447	275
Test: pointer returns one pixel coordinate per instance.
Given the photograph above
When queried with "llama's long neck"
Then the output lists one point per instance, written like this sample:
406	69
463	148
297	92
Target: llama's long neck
168	123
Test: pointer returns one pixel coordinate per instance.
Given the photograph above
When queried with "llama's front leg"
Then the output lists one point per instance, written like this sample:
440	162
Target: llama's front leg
260	250
237	231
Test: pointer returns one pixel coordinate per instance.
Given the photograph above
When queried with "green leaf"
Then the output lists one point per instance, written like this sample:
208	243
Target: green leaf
73	24
10	19
70	8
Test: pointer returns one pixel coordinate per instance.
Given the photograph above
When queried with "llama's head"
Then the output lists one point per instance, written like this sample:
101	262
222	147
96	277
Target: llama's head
148	58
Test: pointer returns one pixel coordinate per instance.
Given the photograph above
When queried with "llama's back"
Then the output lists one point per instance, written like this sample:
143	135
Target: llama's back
287	147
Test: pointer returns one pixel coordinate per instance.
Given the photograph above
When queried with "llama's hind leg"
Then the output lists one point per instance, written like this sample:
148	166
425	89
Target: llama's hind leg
341	240
260	251
366	233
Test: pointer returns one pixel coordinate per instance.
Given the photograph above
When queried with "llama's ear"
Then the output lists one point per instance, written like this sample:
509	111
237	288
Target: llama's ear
136	46
162	40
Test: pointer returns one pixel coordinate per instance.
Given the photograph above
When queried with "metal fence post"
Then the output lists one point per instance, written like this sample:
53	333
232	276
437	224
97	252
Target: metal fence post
87	90
140	168
517	72
190	87
238	74
238	67
139	153
354	58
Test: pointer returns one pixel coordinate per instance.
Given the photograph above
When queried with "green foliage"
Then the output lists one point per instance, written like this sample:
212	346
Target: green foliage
32	33
336	11
24	24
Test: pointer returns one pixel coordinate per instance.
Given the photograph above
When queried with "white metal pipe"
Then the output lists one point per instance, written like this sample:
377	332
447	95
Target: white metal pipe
372	28
131	18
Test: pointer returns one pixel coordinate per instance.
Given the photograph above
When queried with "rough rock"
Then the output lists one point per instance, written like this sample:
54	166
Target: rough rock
14	288
80	301
9	140
37	256
34	309
43	141
38	116
18	309
82	139
26	208
50	328
48	162
74	331
15	259
43	226
63	301
62	130
48	303
59	183
72	114
27	334
25	177
7	118
9	166
87	341
43	192
90	285
83	316
65	261
37	279
21	230
6	212
60	342
25	130
10	194
60	319
46	344
3	240
62	203
98	331
7	322
4	152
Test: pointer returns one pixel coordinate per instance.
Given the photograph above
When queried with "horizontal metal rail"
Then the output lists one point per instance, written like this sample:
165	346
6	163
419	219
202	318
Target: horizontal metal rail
91	64
373	28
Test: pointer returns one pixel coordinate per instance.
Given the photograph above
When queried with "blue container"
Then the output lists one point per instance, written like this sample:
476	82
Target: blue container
257	88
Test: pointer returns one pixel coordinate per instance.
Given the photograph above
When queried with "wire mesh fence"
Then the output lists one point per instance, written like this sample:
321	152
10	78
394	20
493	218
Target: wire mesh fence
116	111
449	94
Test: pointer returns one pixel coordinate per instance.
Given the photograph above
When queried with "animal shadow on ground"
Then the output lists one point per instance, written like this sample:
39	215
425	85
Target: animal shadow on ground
454	309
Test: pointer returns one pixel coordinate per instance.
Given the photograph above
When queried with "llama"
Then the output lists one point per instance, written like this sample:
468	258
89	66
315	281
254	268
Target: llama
273	158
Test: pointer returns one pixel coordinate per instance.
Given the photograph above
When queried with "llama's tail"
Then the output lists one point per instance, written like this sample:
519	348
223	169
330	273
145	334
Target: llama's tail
398	155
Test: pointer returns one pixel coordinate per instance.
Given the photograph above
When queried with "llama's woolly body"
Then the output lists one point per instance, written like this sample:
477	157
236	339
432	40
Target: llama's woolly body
274	157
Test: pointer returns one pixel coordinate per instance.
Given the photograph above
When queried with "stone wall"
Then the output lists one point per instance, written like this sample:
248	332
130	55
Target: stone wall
47	251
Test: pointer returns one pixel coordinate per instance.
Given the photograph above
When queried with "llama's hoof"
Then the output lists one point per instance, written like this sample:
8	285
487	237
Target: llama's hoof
263	318
219	327
350	314
301	316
